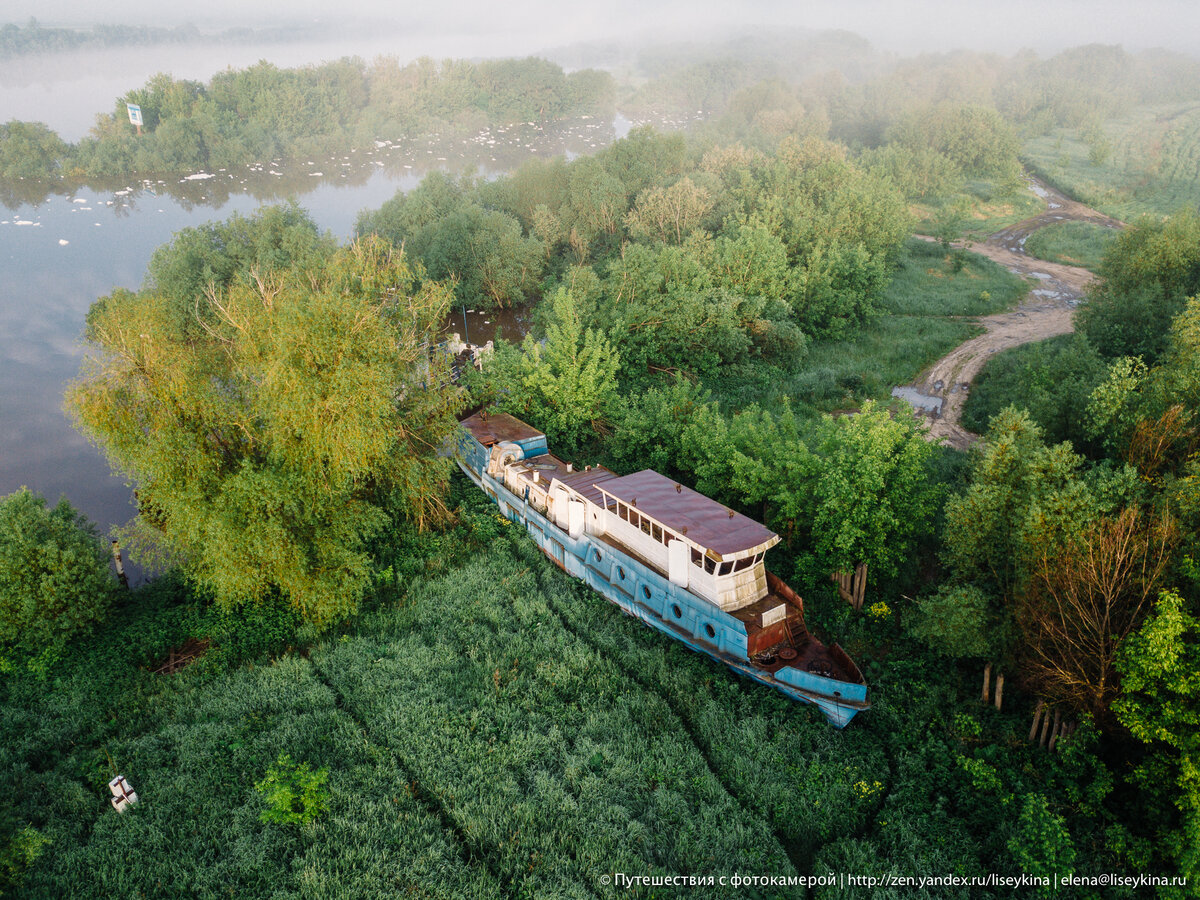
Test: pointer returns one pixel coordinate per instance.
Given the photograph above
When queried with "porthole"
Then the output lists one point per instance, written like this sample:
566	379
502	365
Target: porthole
710	631
645	592
596	555
676	611
620	573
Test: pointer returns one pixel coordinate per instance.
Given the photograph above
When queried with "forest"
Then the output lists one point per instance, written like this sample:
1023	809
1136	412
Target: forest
352	677
33	38
246	117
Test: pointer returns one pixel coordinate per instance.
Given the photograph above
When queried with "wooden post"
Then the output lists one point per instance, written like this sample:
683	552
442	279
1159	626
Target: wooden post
999	689
860	584
1037	715
845	585
1045	730
1057	730
987	679
116	552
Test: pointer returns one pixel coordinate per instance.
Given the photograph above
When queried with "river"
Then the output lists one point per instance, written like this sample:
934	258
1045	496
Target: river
58	253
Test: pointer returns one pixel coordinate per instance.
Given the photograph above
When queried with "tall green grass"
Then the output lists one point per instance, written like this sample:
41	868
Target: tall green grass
501	731
981	209
1071	243
1153	164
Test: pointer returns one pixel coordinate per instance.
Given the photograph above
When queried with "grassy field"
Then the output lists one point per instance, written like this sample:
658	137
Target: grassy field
500	732
1072	243
1153	166
982	209
924	313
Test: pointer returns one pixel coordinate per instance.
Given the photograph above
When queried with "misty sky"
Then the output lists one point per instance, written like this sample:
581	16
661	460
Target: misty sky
524	25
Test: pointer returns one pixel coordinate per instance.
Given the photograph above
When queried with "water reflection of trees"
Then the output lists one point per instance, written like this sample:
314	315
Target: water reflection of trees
275	181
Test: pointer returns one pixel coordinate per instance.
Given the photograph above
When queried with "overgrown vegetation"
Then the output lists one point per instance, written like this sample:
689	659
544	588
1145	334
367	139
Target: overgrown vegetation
724	309
261	113
54	580
452	721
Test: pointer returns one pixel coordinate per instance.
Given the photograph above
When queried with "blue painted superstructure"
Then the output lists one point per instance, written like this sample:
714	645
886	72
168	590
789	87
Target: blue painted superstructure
674	559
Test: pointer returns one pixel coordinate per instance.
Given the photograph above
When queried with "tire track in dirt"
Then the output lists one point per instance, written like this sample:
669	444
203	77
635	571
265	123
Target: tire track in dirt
1046	311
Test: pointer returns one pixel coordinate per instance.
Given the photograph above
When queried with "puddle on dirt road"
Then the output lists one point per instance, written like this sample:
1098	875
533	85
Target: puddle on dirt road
918	400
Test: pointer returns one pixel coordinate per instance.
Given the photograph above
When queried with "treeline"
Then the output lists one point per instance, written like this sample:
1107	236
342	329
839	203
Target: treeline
685	259
33	37
264	113
859	93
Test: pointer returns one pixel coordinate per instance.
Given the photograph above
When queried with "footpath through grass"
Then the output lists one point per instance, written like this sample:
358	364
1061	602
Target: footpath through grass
926	312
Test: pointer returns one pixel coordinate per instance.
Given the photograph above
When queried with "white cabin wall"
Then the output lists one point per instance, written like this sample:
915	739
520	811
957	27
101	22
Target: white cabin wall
654	552
738	589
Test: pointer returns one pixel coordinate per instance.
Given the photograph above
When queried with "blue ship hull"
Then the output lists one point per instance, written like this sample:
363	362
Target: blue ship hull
642	592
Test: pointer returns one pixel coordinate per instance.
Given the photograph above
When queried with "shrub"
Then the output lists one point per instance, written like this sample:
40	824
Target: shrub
295	794
956	621
54	578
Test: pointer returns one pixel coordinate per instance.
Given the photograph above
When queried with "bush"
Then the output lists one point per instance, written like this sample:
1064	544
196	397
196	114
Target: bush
295	794
54	577
957	621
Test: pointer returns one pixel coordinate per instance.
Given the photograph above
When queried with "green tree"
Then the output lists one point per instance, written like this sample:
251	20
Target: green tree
668	214
485	252
1042	845
871	498
847	493
1147	273
1020	489
31	150
1160	705
566	386
648	428
271	442
293	793
957	620
55	581
975	138
214	255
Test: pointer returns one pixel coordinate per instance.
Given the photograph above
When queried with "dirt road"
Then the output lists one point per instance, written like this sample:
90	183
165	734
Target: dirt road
1045	312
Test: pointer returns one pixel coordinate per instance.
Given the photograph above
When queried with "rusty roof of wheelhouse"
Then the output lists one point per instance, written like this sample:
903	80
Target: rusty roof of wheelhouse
702	520
493	428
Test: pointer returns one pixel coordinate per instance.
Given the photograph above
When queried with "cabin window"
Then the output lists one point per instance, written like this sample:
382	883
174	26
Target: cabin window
697	558
725	569
646	527
656	533
710	565
744	563
634	518
623	511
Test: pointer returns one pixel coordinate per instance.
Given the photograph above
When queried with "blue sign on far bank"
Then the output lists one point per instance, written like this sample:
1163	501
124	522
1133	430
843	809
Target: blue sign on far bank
135	114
